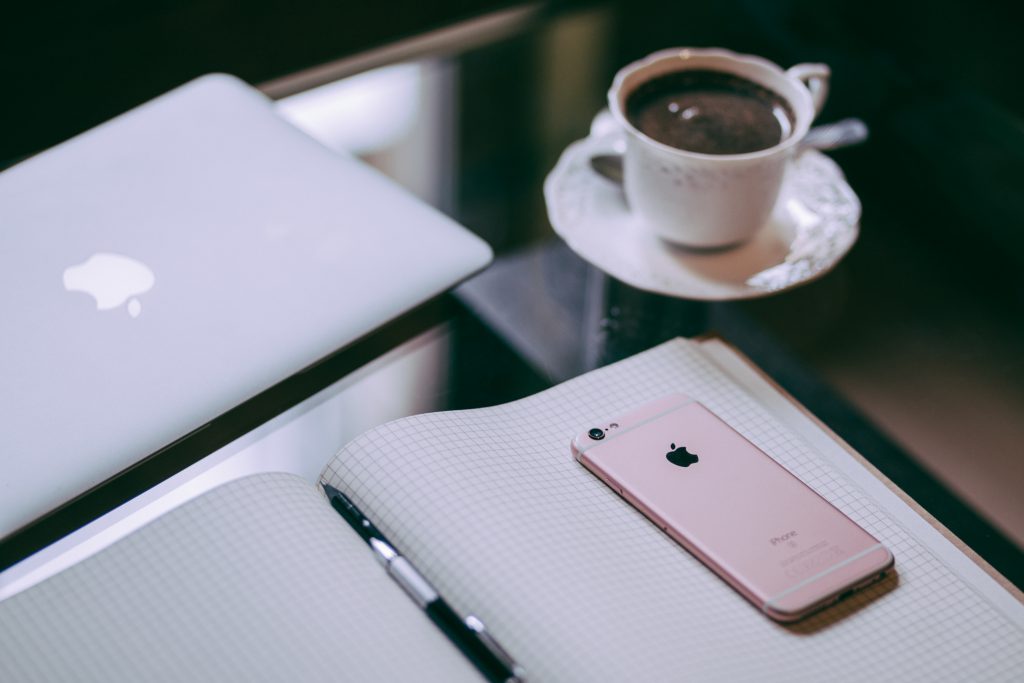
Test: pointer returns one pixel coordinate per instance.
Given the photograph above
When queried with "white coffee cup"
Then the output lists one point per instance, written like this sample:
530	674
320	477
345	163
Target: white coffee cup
711	200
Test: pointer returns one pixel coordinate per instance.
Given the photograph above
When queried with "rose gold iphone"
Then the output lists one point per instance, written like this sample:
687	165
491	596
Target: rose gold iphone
773	539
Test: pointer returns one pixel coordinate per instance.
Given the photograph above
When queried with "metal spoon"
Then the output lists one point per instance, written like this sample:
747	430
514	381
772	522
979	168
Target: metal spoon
842	133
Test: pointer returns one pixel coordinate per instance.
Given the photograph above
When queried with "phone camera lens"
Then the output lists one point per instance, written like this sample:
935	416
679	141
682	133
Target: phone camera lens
596	434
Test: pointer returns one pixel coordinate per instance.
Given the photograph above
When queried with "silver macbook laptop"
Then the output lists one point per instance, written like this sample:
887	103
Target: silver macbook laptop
173	263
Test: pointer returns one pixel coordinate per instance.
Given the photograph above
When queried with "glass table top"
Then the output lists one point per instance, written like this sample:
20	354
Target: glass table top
910	349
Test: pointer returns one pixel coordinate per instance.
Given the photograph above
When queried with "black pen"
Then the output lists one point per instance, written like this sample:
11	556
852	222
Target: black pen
468	635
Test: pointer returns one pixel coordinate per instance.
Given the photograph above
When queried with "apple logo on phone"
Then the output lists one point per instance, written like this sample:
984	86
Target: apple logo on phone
112	280
681	457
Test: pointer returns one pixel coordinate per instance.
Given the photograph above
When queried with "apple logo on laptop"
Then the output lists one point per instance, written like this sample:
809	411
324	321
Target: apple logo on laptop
681	457
111	279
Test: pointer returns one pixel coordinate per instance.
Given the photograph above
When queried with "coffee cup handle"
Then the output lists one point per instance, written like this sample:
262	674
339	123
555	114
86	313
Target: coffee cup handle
816	78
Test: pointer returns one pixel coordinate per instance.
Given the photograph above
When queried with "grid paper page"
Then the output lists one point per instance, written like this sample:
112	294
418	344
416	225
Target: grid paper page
580	586
258	579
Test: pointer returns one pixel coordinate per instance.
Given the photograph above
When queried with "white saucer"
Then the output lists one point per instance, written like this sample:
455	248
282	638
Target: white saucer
813	225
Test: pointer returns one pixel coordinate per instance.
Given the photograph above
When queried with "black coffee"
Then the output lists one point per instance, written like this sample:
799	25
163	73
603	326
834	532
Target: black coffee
709	112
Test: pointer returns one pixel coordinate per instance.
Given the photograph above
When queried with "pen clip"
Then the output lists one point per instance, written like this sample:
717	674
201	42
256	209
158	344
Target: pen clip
495	648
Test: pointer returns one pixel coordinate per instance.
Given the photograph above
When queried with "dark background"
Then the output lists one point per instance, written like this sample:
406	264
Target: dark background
68	66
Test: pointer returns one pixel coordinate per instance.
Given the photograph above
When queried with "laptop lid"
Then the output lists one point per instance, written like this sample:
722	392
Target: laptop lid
178	260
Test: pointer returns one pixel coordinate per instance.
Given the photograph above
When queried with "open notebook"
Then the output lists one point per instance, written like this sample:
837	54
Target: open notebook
261	579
